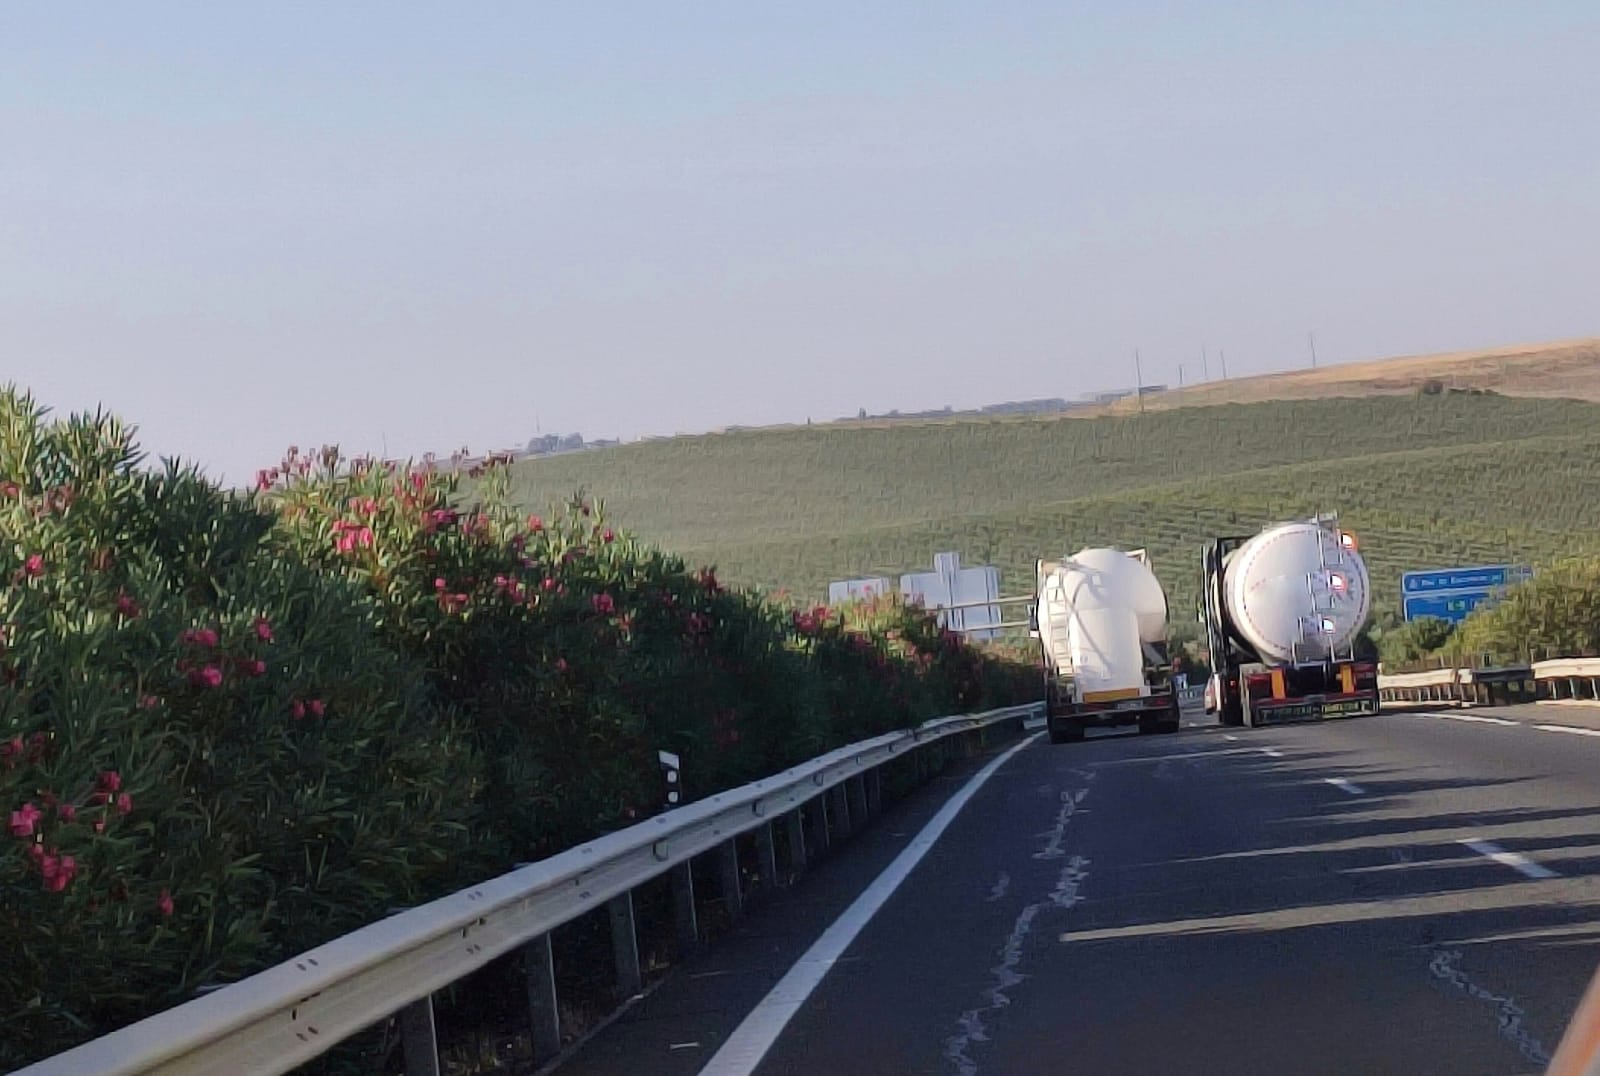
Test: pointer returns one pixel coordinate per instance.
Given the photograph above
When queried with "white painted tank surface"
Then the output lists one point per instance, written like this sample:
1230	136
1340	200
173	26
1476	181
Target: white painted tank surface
1106	603
1297	592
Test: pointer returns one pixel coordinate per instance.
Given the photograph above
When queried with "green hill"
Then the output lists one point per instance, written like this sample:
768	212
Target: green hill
1425	481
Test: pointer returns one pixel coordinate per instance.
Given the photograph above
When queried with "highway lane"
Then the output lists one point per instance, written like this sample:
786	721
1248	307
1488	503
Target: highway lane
1407	894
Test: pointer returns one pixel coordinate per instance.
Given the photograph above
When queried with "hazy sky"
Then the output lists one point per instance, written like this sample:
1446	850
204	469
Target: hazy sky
397	224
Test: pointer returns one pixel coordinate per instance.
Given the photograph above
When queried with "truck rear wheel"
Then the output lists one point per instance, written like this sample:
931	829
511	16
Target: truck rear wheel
1066	731
1149	724
1231	713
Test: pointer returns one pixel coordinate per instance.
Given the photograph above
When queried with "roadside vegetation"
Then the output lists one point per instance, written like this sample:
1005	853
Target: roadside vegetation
1554	614
233	726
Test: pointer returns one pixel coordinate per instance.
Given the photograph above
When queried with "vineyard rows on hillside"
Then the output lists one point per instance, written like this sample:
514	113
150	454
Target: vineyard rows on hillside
1427	482
735	489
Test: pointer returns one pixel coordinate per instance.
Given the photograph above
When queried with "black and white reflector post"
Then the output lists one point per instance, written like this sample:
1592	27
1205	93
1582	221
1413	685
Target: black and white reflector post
669	771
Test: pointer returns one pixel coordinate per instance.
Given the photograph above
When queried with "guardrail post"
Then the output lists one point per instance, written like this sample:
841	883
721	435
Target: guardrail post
818	807
683	910
545	1018
767	856
728	861
856	794
796	825
625	945
839	809
417	1038
875	790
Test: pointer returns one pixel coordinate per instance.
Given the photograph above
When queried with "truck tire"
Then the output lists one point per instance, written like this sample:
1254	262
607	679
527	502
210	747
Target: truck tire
1149	724
1066	732
1173	720
1231	713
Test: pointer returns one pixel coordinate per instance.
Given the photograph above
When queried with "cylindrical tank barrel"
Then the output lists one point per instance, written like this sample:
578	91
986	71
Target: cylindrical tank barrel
1114	603
1296	592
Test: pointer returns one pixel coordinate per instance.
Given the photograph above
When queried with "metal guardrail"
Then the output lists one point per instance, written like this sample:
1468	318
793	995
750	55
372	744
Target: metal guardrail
1552	679
1501	685
287	1015
1569	678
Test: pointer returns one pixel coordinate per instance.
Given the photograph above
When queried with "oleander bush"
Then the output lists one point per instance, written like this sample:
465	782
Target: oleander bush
212	757
235	725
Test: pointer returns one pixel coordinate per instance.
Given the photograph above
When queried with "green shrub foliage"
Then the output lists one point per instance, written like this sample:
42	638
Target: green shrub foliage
233	726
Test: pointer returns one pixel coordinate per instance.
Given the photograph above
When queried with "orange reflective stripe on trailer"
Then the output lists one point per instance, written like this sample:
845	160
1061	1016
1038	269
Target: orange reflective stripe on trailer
1113	695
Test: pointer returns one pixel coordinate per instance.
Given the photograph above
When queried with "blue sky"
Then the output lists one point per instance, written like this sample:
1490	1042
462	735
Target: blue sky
395	226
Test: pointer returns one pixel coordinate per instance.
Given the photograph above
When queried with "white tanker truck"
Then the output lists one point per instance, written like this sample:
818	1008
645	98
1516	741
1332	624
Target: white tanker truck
1101	619
1281	611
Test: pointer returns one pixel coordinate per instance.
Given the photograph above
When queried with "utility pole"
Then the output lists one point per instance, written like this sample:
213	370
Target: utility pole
1180	375
1223	356
1313	338
1205	363
1138	373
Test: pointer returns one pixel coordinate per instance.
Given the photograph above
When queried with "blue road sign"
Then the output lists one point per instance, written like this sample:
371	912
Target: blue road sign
1451	593
1449	579
1451	607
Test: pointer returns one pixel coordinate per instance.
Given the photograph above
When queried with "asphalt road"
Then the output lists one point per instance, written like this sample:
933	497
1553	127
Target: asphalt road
1413	893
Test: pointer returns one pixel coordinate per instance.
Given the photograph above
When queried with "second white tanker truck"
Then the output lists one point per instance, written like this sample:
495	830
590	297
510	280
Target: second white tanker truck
1281	610
1101	618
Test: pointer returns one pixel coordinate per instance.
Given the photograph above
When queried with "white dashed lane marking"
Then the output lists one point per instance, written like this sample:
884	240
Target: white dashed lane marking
1516	861
1567	729
1476	718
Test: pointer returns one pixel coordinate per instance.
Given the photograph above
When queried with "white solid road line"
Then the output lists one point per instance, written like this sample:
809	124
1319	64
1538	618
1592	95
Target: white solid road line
1346	786
1567	728
1480	720
1519	863
753	1037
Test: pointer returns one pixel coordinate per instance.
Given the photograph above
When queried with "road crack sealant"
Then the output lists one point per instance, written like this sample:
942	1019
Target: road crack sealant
1509	1016
1005	977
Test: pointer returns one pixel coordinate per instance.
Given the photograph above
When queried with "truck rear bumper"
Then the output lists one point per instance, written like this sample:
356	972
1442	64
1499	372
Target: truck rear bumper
1110	715
1282	711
